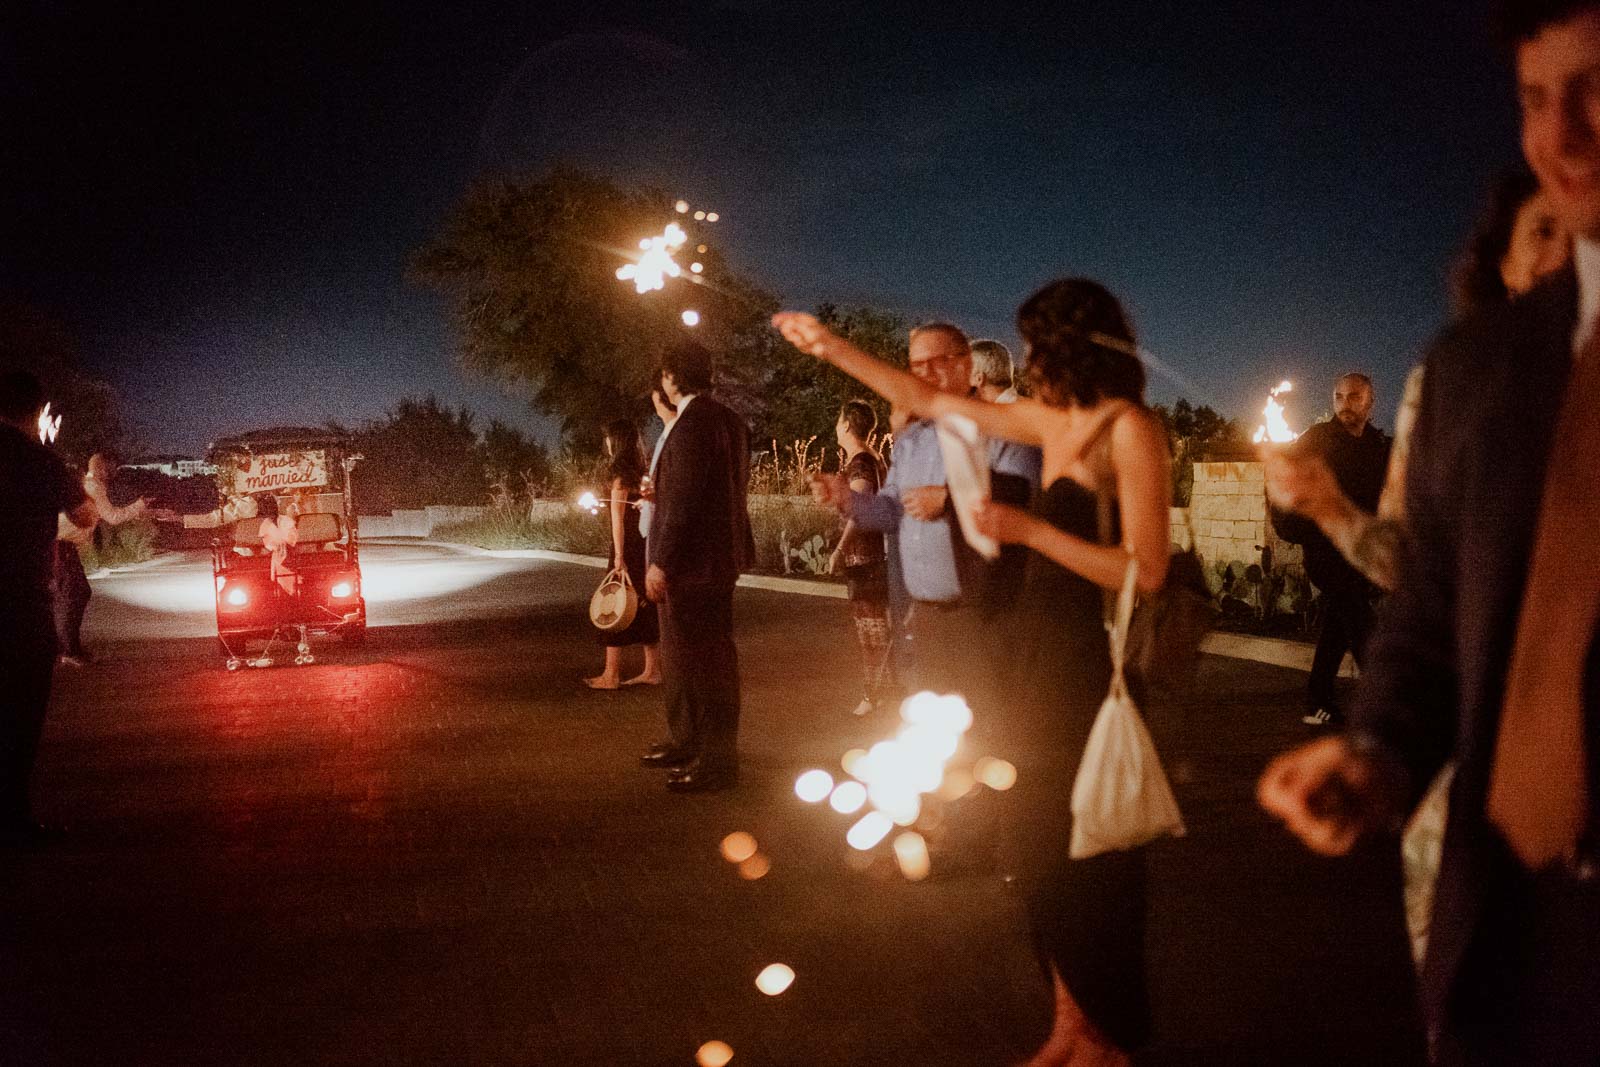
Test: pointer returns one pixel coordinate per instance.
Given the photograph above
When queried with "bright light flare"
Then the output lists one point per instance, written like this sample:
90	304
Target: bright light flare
911	853
775	978
697	268
848	798
712	1053
813	786
590	503
49	426
870	829
341	590
655	263
237	597
997	774
738	847
691	318
699	216
681	207
1276	429
712	216
852	761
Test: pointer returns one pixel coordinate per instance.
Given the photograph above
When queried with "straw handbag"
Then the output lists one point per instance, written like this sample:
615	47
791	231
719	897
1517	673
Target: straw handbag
615	603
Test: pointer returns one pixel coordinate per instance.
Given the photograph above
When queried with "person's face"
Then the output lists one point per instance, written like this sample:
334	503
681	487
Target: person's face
669	389
1558	90
841	432
1539	245
937	359
1352	404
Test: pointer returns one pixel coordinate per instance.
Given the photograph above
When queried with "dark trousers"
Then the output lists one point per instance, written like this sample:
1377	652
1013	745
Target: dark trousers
1347	620
27	666
1529	987
700	671
70	589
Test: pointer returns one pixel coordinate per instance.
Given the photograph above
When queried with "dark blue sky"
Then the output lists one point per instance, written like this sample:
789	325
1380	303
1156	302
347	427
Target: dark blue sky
221	204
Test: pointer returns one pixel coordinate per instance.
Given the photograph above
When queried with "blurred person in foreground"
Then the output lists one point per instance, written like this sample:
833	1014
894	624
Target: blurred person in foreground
700	540
1356	453
35	489
627	469
71	585
1101	449
1518	241
1487	652
860	557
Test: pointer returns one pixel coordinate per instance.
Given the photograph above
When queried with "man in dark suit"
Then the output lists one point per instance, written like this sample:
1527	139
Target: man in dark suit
1357	453
1487	650
699	542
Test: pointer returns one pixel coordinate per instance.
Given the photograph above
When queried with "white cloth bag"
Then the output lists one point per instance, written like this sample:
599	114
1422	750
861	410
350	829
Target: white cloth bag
1121	798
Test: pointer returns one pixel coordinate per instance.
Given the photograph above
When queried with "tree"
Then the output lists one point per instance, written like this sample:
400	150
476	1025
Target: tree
808	393
511	459
420	453
1197	434
529	268
32	340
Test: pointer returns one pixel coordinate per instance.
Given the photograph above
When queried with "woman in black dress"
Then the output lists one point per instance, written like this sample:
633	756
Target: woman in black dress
628	467
860	556
1098	440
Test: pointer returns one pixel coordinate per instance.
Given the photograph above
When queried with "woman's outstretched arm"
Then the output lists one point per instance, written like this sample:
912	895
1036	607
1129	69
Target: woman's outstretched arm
1026	421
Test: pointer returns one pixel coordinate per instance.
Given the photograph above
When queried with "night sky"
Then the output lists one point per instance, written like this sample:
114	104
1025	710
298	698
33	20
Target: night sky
220	200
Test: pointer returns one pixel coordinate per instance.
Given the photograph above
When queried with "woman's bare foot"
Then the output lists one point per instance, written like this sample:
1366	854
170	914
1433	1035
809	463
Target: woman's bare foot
601	682
644	679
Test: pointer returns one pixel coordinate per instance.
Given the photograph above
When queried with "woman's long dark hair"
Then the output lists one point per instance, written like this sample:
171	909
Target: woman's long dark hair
627	452
1476	280
1080	343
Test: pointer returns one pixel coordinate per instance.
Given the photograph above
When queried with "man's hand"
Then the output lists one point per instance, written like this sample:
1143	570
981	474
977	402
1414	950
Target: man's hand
1004	523
830	490
655	584
925	502
1302	484
1327	794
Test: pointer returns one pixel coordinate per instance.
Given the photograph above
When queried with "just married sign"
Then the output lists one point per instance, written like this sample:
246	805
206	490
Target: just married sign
279	471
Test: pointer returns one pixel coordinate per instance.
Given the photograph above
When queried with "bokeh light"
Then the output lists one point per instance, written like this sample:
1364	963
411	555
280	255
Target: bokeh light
755	867
682	207
911	853
691	318
813	786
870	829
848	798
775	978
714	1054
738	847
997	774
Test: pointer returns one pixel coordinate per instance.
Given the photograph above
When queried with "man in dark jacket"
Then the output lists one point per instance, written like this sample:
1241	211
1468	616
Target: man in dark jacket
35	488
699	541
1487	652
1357	452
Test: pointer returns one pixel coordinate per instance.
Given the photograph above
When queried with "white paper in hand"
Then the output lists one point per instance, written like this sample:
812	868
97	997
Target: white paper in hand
966	475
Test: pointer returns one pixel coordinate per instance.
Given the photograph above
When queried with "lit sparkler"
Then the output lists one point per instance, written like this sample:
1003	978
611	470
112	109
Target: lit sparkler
655	264
590	503
1276	429
691	318
49	426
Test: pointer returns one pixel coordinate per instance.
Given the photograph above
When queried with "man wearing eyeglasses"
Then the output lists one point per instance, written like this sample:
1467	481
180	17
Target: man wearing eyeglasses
954	595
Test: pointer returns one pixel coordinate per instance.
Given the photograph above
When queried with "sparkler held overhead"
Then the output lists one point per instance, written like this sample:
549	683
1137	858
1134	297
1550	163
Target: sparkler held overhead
49	426
1276	429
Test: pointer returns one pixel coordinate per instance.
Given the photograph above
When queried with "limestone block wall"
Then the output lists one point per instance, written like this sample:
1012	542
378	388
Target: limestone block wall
1228	510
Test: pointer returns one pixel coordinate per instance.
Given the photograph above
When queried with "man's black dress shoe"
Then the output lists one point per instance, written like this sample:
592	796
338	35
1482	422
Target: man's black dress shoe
703	780
665	757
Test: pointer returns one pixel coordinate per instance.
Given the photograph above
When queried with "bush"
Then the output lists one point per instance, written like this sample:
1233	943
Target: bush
567	530
783	526
118	546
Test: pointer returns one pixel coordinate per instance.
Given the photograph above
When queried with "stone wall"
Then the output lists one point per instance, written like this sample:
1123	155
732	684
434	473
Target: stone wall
1228	511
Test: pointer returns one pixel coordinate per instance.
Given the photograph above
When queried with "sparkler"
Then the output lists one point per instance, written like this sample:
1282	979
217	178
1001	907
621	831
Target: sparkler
1276	429
656	264
49	426
590	503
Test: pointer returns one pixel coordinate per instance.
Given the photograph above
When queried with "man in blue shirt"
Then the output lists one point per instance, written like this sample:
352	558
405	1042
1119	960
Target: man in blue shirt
954	595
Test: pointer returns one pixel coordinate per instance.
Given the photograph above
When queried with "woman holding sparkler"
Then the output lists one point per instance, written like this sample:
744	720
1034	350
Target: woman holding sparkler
1100	444
860	554
628	468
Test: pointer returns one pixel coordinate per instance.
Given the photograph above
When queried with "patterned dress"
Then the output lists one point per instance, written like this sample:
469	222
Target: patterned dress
866	570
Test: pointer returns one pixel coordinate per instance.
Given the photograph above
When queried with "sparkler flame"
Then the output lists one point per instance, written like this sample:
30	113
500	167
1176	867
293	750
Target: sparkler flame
49	426
1276	429
590	503
655	263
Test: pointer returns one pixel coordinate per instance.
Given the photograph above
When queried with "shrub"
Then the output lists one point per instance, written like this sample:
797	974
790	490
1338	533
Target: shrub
118	546
557	530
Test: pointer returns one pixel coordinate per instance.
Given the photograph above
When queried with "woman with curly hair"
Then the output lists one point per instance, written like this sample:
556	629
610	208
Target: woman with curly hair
1100	444
628	468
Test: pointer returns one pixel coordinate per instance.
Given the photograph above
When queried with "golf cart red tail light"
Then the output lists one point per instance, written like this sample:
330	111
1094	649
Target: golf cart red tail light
237	597
343	589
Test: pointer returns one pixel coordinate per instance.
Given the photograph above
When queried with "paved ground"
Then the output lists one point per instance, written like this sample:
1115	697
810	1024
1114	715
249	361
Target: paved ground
440	850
